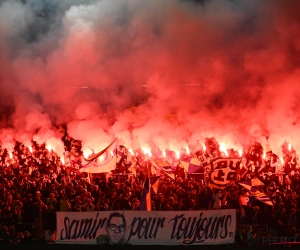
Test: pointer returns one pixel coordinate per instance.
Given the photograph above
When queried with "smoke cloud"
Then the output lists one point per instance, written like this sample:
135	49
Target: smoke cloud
157	74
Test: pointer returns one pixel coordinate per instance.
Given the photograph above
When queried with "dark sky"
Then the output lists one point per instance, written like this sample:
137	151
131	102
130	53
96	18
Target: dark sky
193	69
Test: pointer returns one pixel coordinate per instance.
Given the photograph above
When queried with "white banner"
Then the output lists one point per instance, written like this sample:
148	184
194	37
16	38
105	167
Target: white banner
207	227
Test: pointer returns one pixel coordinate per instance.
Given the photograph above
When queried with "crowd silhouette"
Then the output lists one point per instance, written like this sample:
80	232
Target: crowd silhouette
35	181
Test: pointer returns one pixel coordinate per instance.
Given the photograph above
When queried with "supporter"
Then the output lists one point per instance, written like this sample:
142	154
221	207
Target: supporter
241	236
64	204
293	219
171	204
88	206
7	215
50	236
191	204
101	204
233	199
38	205
76	204
111	202
282	228
282	214
252	238
257	218
51	203
159	201
216	199
183	205
6	236
123	203
20	236
203	198
135	204
96	192
28	238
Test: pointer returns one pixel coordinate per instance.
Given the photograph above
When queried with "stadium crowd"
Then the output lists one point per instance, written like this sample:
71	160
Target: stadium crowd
34	181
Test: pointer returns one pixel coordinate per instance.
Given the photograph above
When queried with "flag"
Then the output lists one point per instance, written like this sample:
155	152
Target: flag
106	165
154	180
261	196
146	196
252	185
163	165
95	156
223	172
204	159
121	153
191	164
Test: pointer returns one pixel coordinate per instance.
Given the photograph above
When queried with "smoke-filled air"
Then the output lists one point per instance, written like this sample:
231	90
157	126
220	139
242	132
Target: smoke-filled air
156	74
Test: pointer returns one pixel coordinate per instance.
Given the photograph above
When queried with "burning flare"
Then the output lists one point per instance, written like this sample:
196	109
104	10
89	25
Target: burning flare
223	149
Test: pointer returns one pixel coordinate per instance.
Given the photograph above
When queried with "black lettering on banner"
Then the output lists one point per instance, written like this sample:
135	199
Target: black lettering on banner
221	164
145	227
224	230
86	228
220	176
224	171
230	165
198	229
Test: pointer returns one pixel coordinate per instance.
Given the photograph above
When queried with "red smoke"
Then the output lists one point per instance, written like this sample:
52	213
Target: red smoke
153	73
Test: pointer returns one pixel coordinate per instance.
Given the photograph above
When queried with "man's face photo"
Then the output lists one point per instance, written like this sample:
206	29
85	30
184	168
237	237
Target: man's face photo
116	230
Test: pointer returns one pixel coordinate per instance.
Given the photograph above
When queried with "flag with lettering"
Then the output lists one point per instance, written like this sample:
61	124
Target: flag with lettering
223	172
204	159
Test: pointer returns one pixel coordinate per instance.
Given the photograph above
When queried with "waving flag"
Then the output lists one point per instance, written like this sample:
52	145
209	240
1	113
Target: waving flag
261	196
150	187
154	180
95	156
191	165
121	153
163	165
252	185
106	165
